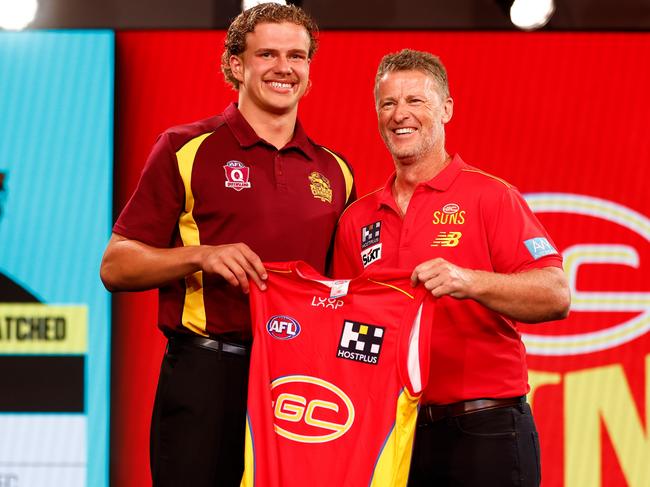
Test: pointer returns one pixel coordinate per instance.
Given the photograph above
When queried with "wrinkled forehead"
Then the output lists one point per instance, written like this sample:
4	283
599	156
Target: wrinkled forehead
405	82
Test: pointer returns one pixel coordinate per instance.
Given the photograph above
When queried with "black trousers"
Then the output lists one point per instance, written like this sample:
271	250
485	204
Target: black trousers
199	417
490	448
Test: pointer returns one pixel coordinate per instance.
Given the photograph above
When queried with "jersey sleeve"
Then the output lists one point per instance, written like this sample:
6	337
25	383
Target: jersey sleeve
151	215
517	239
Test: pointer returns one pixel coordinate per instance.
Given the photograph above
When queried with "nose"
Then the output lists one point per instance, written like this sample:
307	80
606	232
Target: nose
283	66
401	112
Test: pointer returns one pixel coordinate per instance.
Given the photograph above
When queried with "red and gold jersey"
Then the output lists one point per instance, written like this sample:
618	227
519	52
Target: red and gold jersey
337	368
217	182
473	220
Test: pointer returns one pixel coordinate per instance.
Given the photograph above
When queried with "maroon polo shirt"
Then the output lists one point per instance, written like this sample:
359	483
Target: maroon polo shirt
216	182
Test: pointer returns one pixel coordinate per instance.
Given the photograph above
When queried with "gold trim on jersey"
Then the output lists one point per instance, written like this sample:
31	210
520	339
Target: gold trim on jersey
478	171
359	199
393	287
194	316
248	479
347	174
392	467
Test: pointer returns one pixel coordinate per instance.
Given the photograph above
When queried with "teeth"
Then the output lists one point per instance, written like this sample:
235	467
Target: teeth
407	130
277	84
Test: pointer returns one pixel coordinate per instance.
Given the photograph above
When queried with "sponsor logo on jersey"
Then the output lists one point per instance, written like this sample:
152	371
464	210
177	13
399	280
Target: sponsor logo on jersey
539	247
283	327
370	246
371	255
370	235
309	409
320	187
360	342
237	175
328	303
447	239
451	214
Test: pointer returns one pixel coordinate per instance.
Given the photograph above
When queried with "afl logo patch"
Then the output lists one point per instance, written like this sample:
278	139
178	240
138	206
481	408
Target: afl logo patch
283	327
237	175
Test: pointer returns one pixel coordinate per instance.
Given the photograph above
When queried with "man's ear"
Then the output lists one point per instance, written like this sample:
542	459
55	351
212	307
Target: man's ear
447	110
237	68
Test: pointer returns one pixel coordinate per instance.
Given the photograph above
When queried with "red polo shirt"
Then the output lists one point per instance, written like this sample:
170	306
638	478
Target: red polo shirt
473	220
216	182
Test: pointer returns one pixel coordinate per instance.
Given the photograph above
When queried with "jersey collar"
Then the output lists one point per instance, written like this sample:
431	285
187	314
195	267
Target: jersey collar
247	137
440	182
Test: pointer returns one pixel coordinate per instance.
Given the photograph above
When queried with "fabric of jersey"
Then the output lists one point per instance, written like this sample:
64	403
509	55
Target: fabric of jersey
216	182
334	381
473	220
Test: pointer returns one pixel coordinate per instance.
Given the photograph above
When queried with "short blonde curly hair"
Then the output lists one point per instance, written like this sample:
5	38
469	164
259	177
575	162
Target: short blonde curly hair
245	22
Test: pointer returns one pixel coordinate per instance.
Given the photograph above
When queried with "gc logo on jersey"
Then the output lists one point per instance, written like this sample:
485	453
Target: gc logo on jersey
360	342
370	246
283	327
309	409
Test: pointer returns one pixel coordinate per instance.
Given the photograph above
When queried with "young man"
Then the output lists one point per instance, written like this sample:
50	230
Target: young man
216	198
475	244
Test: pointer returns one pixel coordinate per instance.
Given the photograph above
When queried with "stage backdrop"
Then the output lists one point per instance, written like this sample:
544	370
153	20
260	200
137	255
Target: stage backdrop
564	117
56	155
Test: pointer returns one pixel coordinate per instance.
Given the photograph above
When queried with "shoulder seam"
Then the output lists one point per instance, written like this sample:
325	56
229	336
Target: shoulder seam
478	171
359	199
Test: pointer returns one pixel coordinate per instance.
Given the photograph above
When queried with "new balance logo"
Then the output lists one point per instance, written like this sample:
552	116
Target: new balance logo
447	239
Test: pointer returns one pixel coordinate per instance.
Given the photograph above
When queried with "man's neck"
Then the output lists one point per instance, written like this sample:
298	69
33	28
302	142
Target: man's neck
408	176
276	128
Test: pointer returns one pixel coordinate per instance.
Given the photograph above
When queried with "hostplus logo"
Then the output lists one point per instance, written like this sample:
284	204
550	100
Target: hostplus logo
360	342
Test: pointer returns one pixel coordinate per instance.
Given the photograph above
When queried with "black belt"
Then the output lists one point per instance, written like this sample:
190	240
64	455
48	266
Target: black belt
429	413
210	344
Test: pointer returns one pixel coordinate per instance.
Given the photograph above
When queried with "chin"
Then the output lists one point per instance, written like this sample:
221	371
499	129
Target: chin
401	153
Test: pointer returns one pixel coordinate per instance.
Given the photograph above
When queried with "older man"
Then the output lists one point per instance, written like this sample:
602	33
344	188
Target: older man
474	243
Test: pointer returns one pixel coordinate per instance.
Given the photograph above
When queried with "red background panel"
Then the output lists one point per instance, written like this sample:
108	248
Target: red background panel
549	112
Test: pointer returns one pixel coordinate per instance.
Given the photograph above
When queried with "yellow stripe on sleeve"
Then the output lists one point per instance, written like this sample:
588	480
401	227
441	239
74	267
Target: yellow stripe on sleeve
347	174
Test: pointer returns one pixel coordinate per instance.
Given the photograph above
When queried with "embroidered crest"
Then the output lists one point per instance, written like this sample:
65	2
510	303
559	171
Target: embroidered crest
320	187
237	175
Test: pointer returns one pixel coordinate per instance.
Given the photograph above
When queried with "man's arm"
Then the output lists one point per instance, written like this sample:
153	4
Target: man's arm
130	265
530	297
